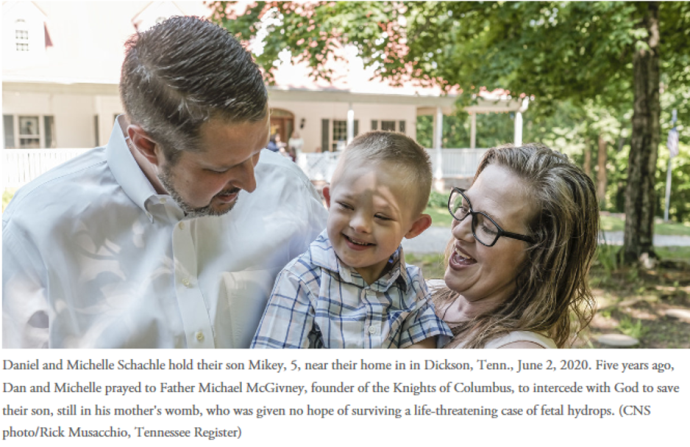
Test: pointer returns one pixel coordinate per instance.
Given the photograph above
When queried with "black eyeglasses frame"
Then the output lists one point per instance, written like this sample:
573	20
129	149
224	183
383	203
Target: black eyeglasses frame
501	231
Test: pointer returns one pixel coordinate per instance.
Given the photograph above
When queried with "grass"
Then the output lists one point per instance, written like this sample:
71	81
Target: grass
616	223
440	217
431	264
632	329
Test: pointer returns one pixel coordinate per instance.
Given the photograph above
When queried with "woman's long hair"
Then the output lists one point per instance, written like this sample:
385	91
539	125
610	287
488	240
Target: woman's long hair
552	283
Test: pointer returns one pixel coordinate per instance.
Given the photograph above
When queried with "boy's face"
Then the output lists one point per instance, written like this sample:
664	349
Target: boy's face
371	210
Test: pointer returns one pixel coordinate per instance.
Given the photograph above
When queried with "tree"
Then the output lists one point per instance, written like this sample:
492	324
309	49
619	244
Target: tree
611	53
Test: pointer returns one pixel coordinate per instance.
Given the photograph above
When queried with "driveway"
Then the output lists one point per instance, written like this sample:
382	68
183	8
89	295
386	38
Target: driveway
434	240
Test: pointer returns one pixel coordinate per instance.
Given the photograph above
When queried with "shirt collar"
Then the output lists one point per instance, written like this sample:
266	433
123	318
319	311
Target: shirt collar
323	255
126	170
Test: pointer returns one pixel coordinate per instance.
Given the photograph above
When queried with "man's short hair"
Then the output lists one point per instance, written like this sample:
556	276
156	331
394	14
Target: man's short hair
183	72
397	150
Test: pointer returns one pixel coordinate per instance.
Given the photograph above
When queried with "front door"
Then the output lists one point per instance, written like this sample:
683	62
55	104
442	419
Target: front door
282	123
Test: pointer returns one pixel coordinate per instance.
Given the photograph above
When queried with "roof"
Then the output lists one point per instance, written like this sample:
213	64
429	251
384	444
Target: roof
88	50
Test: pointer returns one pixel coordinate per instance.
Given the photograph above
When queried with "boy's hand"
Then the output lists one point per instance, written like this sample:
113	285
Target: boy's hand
428	343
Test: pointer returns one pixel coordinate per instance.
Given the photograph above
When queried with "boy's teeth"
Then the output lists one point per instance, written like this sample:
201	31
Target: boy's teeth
356	242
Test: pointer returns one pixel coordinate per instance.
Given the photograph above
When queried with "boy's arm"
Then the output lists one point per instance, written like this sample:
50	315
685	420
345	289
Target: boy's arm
288	316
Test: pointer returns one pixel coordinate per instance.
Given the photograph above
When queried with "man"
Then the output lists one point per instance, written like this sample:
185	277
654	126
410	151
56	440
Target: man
172	234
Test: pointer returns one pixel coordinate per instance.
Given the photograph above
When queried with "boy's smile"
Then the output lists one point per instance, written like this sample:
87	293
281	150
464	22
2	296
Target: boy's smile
371	209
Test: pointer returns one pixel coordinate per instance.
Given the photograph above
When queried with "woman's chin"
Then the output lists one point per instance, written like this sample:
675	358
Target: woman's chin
453	280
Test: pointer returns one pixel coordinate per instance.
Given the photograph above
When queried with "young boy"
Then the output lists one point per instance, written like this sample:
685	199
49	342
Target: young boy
352	288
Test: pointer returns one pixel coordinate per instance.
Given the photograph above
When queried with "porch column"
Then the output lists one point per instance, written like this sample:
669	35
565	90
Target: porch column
350	124
518	129
438	139
473	130
518	123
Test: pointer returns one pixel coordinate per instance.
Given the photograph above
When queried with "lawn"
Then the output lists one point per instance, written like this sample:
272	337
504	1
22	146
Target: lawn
629	301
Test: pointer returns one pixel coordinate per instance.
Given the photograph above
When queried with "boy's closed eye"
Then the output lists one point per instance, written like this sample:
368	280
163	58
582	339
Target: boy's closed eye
345	205
382	217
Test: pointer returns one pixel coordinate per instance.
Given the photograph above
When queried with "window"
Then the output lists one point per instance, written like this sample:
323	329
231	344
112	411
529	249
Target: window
388	125
340	134
29	132
21	35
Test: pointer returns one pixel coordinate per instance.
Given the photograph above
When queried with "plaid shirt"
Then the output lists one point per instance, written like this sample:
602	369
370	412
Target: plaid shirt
318	302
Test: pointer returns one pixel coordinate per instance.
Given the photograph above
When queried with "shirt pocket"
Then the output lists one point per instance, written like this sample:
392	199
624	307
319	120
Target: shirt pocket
245	294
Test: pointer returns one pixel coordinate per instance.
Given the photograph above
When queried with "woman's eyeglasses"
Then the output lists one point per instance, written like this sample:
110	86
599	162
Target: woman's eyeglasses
484	229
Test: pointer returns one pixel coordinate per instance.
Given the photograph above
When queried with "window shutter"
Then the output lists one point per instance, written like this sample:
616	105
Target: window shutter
356	127
8	127
401	126
325	140
49	127
374	125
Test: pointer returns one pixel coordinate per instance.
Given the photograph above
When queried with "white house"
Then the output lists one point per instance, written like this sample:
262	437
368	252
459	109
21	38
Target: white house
60	72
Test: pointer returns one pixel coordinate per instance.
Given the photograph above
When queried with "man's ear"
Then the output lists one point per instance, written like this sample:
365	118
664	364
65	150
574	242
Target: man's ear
418	226
326	191
143	144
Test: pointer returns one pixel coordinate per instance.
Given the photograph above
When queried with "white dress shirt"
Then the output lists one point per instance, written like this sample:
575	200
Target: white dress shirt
93	257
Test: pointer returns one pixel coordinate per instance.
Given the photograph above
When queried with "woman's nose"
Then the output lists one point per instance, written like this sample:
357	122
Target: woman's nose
462	230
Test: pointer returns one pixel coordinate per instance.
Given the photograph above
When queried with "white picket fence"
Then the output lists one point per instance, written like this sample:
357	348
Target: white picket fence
20	166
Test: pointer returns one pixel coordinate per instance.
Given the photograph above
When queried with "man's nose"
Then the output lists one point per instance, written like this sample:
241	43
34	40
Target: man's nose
246	178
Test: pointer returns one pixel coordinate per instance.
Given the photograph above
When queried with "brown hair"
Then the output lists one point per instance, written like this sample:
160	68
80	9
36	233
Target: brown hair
552	284
183	72
399	150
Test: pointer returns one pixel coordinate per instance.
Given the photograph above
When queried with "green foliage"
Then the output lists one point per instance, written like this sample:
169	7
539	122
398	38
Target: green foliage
632	329
7	195
608	257
493	129
438	199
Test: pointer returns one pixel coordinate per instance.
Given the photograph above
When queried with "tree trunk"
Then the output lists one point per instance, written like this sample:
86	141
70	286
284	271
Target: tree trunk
601	173
587	166
639	193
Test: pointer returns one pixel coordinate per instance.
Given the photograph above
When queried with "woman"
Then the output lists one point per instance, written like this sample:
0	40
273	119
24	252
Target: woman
524	236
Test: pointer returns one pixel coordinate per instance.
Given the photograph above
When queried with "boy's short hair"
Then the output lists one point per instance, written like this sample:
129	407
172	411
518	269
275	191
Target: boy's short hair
399	150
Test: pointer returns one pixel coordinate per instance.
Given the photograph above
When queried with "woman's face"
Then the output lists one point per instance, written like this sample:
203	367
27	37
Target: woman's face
481	273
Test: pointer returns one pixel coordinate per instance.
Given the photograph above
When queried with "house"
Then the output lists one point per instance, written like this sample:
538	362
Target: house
60	73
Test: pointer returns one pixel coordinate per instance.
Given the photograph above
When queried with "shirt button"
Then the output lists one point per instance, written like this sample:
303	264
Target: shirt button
200	336
187	282
373	330
162	200
181	225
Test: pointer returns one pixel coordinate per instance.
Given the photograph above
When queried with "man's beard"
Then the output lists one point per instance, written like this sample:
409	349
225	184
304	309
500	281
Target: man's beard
166	178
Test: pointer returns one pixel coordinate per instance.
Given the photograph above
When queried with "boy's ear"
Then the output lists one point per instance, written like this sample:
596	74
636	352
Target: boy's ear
418	226
143	144
326	191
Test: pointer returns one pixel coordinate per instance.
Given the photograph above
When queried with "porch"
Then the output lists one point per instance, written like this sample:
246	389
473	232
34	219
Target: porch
23	165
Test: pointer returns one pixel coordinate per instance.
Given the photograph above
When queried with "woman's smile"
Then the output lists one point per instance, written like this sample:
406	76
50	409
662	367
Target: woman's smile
460	259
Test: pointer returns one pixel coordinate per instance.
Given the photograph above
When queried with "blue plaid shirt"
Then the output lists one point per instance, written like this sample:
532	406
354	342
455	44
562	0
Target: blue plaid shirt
318	302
